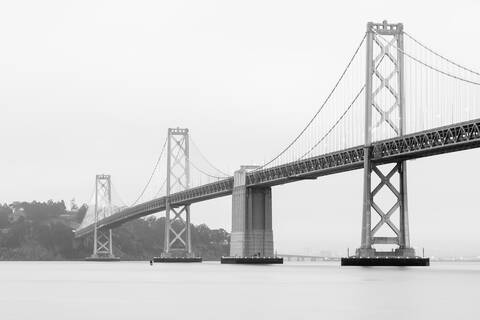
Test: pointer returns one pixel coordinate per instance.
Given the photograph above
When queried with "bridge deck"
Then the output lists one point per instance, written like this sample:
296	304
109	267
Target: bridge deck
460	136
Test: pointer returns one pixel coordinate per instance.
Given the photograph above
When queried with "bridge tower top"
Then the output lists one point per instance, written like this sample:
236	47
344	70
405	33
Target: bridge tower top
177	226
384	85
178	162
103	193
385	28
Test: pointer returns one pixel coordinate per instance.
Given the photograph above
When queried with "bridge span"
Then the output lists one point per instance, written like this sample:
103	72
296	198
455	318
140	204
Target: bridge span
457	137
362	124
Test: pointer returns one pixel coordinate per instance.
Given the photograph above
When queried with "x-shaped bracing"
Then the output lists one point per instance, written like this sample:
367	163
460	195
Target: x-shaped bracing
385	180
178	234
385	116
103	242
178	159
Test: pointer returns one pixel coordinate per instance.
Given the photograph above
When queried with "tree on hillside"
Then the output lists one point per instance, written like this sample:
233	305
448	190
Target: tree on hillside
5	214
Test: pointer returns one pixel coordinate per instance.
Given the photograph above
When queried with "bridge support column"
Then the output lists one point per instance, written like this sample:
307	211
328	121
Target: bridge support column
384	118
102	238
177	241
401	237
178	232
252	233
102	245
251	240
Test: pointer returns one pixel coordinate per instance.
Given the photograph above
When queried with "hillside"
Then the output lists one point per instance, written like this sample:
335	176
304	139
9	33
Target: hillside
44	231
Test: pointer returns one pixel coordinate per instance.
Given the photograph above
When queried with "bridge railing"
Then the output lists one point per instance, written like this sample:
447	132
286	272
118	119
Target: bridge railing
464	135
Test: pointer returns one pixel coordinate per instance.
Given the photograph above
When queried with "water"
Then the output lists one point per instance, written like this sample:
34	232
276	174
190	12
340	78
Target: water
136	290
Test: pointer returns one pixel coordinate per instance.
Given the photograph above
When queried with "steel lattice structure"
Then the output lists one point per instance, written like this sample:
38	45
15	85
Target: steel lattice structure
177	226
102	245
381	80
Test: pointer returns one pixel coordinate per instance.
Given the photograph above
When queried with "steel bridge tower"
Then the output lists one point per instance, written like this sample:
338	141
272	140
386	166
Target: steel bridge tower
177	226
384	76
102	239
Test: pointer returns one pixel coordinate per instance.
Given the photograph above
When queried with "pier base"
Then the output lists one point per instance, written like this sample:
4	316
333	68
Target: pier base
251	260
102	259
386	261
176	259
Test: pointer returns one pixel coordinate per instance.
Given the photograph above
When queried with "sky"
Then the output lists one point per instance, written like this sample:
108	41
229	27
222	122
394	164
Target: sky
90	87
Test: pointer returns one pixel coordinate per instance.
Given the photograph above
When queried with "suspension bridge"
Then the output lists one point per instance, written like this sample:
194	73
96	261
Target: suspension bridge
397	99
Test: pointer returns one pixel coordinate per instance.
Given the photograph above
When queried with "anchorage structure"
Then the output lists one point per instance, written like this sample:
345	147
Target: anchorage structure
251	218
102	239
252	236
385	115
177	223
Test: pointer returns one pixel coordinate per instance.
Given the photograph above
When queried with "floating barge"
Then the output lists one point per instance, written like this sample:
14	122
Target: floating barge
251	260
175	259
386	261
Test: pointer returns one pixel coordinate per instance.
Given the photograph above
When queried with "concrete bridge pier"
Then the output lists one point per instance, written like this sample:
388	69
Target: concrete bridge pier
252	236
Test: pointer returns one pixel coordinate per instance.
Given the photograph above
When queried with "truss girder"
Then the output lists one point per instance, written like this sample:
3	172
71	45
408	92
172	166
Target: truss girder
456	137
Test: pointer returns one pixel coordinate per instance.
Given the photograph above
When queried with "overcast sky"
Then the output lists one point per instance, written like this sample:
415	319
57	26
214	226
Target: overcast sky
91	87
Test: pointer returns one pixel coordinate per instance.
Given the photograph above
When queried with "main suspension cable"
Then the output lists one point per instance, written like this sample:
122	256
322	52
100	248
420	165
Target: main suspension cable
161	188
153	173
428	65
206	160
334	125
115	192
319	110
440	56
201	171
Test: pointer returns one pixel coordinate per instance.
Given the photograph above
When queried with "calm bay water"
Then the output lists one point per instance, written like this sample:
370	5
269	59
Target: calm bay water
135	290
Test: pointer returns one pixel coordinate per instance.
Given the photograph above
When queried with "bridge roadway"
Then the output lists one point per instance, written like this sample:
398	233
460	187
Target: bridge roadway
456	137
